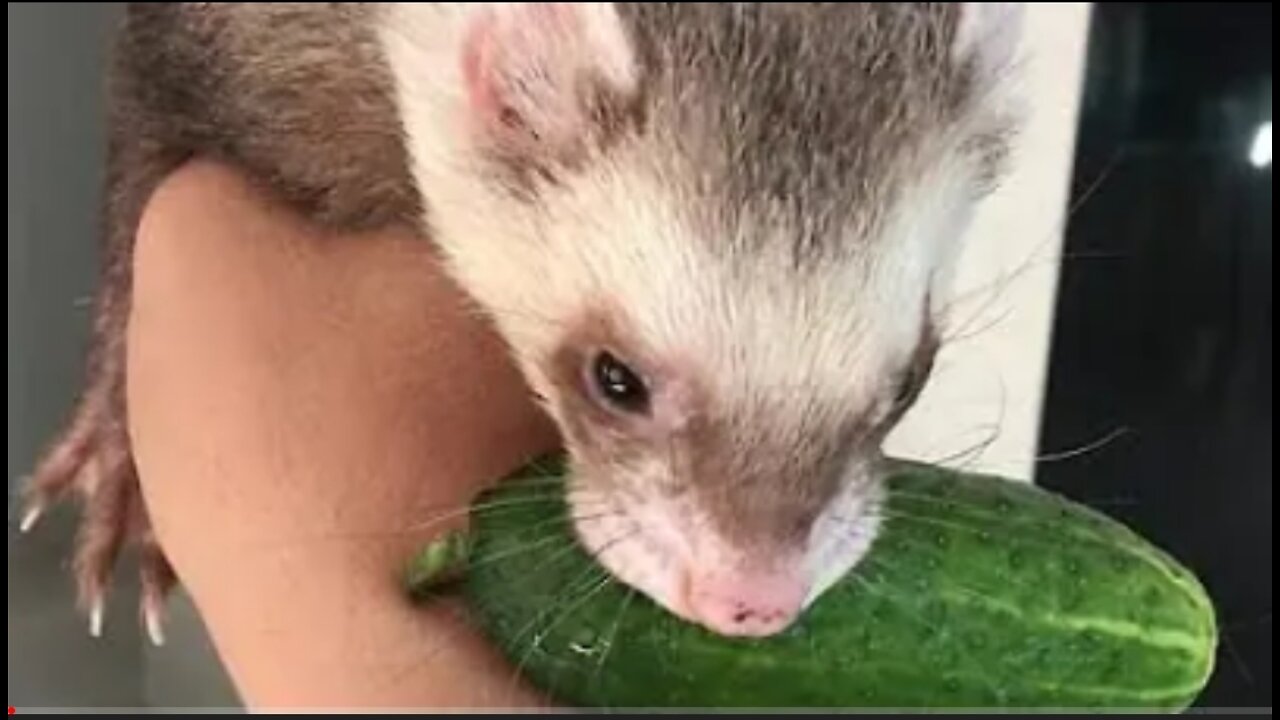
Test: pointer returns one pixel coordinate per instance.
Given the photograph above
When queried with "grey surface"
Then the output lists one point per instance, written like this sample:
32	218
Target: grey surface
55	166
56	54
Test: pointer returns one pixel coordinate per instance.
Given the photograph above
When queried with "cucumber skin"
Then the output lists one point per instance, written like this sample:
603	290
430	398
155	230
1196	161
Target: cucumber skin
978	592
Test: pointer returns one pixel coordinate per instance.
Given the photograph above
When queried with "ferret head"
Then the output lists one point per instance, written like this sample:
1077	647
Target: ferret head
717	238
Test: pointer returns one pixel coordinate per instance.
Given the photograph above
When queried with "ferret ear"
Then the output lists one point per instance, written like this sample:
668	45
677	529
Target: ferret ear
988	36
987	46
544	79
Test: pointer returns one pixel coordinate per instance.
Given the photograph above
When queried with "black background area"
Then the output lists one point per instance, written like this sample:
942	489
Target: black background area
1163	323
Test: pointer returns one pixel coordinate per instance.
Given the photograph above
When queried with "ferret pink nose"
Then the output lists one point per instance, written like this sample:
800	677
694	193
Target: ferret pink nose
746	604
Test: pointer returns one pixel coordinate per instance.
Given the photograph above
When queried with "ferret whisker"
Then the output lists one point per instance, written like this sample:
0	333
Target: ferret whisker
1094	185
970	450
999	425
462	615
499	311
572	586
623	604
1002	282
556	600
604	581
958	332
570	544
521	550
1237	659
571	497
963	332
485	507
552	482
1075	453
553	525
1082	450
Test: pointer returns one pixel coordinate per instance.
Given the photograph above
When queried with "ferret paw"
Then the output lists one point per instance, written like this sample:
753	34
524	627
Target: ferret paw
92	463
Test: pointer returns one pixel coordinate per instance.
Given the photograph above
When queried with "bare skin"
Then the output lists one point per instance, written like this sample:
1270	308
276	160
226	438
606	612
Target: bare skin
301	406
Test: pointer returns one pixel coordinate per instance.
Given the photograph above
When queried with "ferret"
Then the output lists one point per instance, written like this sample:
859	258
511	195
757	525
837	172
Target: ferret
717	239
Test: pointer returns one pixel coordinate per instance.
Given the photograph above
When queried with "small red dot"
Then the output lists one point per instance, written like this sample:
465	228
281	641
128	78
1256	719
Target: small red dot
11	710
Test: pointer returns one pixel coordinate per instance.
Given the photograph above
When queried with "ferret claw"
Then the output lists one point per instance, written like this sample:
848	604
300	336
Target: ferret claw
95	618
153	618
31	517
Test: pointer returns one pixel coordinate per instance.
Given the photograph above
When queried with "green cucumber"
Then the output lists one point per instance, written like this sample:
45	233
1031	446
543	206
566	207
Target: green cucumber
979	592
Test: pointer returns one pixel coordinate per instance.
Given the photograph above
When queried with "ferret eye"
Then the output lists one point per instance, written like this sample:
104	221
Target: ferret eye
619	385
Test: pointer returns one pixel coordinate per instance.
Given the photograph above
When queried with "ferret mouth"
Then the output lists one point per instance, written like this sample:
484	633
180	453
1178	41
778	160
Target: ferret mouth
646	554
642	549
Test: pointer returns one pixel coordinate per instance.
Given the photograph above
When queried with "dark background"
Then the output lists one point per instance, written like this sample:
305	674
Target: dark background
1163	323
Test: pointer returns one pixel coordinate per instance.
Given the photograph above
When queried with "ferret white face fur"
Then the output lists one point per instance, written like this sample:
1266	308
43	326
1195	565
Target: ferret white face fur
716	239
